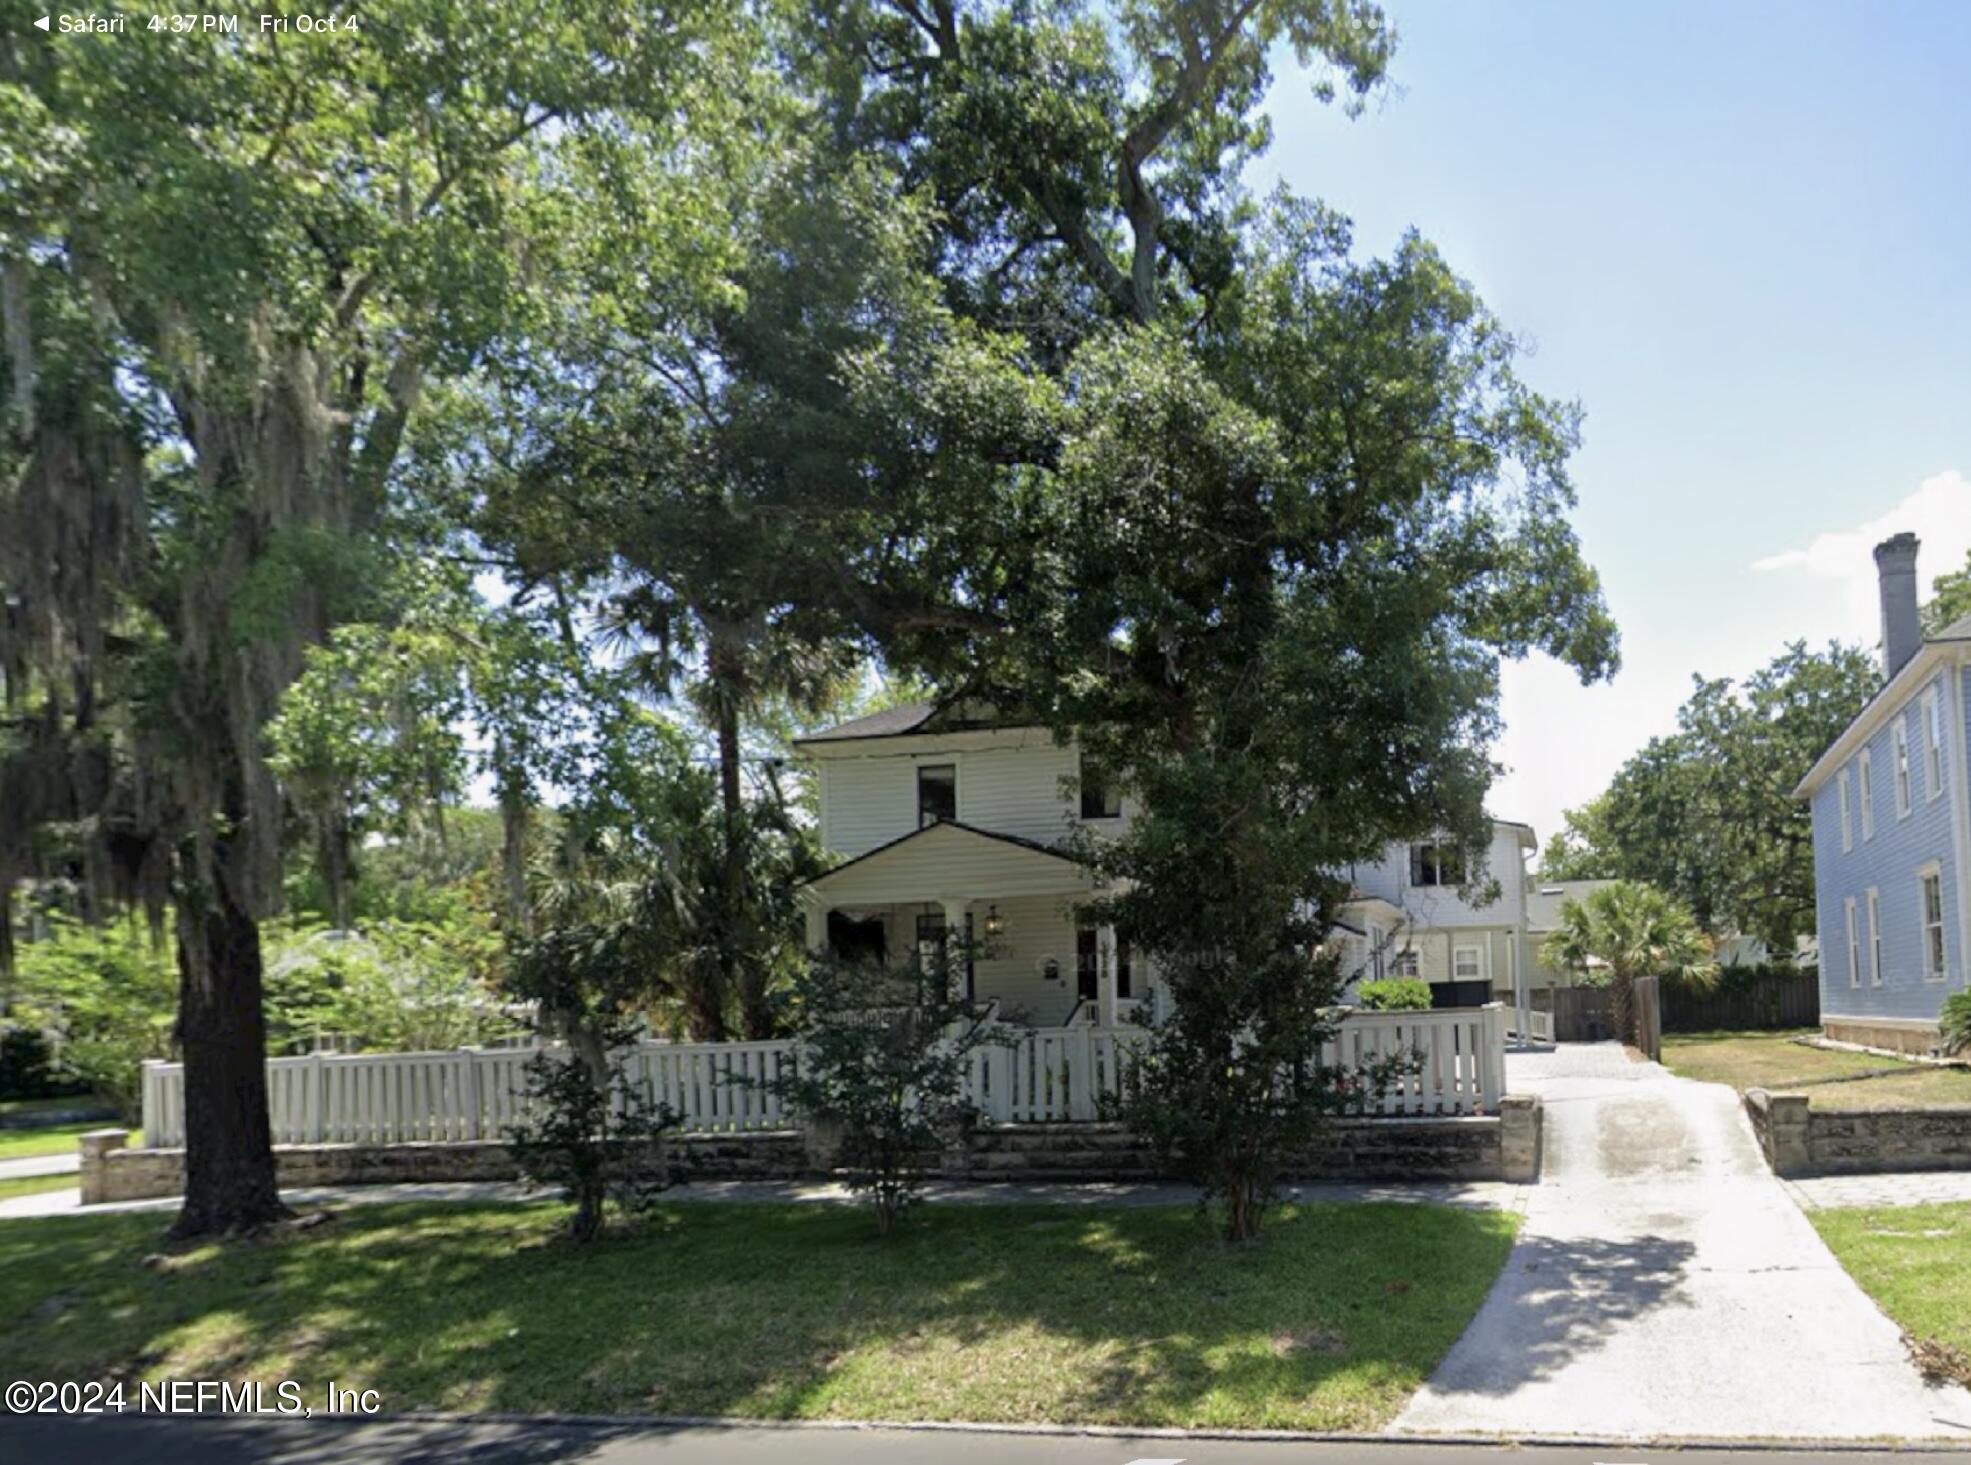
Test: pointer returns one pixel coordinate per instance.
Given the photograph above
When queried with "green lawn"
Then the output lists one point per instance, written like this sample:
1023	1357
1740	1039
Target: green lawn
55	1139
1115	1316
1772	1061
1915	1261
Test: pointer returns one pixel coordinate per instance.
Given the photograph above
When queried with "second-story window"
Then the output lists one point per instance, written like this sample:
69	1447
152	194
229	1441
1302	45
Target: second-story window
1933	743
1899	743
1847	824
1436	864
1098	800
1865	784
937	793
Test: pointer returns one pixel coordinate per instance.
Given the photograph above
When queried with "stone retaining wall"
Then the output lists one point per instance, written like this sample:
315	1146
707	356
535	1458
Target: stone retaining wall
1800	1140
1505	1146
111	1171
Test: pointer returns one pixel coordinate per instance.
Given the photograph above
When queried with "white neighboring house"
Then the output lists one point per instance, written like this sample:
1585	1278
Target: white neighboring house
945	823
1417	913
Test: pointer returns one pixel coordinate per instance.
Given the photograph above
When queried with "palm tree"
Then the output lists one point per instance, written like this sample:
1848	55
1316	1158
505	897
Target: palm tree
1632	930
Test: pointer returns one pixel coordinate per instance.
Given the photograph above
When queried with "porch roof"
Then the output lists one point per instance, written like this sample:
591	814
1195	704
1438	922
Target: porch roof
951	861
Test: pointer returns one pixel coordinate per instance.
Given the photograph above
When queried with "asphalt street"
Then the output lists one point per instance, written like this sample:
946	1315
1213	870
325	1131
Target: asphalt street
209	1440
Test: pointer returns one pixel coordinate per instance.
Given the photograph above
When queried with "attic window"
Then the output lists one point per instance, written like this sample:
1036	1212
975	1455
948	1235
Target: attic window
937	793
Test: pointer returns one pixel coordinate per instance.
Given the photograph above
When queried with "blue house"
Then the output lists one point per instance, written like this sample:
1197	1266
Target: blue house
1891	804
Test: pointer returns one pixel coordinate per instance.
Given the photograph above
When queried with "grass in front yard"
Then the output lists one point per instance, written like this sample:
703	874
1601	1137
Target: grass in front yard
1773	1061
1115	1316
54	1139
1915	1261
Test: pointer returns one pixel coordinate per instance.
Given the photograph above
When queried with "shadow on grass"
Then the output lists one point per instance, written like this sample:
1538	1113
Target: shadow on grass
1132	1315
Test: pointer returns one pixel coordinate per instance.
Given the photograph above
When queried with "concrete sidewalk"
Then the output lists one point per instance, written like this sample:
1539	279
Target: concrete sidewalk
1665	1283
1901	1188
1479	1193
28	1167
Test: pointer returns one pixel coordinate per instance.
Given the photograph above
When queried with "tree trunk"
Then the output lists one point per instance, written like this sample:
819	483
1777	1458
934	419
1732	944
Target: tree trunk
515	821
334	855
229	1159
6	945
738	977
1622	1007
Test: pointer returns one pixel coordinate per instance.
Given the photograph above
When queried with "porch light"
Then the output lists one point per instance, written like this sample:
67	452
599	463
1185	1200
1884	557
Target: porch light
994	925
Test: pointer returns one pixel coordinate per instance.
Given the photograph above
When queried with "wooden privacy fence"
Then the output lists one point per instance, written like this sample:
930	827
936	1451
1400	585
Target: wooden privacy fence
1039	1075
1744	997
1587	1014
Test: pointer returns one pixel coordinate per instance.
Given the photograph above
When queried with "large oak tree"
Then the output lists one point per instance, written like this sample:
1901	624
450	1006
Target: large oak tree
231	267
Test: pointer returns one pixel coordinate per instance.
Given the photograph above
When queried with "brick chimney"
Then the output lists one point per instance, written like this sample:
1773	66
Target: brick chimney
1895	567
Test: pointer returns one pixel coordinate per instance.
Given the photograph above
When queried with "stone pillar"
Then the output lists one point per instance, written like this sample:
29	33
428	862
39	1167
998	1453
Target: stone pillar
95	1148
1519	1138
1782	1122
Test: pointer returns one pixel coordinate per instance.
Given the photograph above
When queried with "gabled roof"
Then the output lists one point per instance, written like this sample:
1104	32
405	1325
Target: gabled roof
891	722
944	826
914	719
1930	655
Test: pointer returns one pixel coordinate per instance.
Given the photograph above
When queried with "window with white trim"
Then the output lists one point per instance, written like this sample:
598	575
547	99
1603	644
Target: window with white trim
937	793
1405	964
1899	745
1847	824
1866	785
1854	944
1930	901
1467	963
1874	938
1933	743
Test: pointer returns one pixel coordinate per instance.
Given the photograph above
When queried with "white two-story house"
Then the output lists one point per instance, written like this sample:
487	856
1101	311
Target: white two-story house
947	824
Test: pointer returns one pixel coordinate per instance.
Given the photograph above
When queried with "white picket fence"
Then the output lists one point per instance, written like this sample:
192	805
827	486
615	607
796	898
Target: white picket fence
1046	1074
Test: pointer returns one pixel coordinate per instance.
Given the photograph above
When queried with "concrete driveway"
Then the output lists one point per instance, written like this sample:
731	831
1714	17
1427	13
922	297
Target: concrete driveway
1665	1284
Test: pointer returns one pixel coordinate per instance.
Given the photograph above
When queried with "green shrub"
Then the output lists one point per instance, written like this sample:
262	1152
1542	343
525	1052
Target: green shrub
109	994
1956	1022
1394	994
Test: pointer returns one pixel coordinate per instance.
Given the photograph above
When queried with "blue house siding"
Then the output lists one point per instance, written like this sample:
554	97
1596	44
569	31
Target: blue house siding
1890	861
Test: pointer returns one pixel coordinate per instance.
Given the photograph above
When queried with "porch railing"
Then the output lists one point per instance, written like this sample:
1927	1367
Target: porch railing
1040	1075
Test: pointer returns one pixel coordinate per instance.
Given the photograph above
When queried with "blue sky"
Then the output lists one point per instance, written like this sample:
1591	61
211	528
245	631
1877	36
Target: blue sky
1740	236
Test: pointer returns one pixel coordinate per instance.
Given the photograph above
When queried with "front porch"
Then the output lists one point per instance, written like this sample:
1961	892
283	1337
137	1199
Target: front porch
1016	905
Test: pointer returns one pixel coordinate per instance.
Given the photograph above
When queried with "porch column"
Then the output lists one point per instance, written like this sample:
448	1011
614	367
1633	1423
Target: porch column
1522	999
954	933
1105	969
815	913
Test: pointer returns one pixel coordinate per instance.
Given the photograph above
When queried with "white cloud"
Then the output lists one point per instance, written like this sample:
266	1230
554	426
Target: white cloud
1938	513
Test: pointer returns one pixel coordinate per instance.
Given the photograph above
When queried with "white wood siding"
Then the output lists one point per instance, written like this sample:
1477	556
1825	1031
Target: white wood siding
1009	782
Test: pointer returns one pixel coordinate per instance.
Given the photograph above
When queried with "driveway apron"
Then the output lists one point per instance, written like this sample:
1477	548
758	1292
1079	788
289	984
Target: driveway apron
1664	1284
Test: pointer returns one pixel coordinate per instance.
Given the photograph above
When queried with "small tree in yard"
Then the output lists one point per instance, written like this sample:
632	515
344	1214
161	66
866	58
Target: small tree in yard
883	1058
599	1140
590	1131
1230	1088
1632	930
